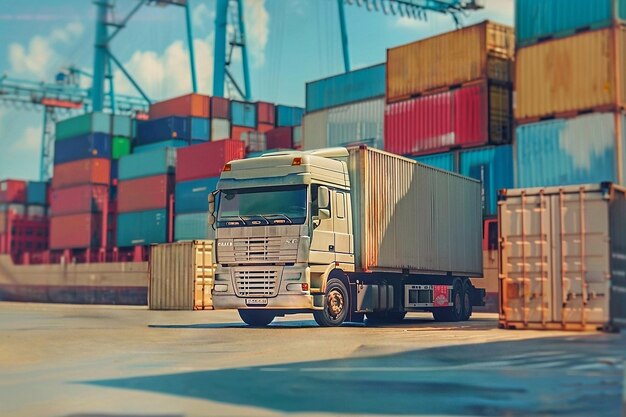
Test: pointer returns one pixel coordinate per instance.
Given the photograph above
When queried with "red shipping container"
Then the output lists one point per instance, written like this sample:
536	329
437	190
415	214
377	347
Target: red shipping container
190	105
237	131
280	138
469	116
148	193
12	191
264	127
220	108
85	171
76	231
265	113
81	199
207	160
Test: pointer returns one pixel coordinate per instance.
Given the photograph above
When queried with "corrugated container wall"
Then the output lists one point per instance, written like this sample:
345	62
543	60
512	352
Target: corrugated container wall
190	105
243	114
148	193
569	75
281	137
80	199
192	226
142	228
120	147
446	161
538	20
93	123
568	151
174	143
193	196
86	171
360	122
75	231
93	145
350	87
315	130
482	51
220	108
167	128
146	164
220	129
12	191
266	113
288	116
37	192
469	116
208	159
388	191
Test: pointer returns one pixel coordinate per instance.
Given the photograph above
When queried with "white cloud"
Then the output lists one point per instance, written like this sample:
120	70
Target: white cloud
30	140
257	30
201	15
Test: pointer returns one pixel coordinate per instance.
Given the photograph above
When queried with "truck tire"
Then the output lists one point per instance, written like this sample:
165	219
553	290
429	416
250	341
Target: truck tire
385	317
336	305
467	300
256	318
454	313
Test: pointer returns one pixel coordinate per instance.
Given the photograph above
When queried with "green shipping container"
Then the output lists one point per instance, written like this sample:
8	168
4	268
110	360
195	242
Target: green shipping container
120	147
142	228
93	123
193	226
146	164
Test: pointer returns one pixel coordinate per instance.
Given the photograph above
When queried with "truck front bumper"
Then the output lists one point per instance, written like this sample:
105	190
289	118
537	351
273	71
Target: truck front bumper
226	301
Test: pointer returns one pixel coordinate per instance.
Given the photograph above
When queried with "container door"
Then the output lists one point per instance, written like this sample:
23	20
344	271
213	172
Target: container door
525	232
582	267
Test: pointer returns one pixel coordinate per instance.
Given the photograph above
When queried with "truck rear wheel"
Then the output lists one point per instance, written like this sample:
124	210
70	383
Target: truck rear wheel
454	313
467	301
336	305
256	318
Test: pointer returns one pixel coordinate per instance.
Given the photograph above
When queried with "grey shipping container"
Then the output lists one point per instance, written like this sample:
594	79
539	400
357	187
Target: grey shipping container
181	276
411	216
563	257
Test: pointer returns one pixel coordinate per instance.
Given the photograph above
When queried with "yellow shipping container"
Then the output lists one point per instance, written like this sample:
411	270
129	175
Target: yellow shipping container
476	52
572	74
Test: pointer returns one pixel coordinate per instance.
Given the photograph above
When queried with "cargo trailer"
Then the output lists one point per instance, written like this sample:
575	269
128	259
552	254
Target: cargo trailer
344	233
563	257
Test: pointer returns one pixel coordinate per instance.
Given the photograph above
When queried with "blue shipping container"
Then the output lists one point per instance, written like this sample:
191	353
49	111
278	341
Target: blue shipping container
540	19
567	151
243	114
200	129
193	226
167	128
37	193
93	145
146	164
192	196
289	116
493	166
174	143
359	85
445	161
141	228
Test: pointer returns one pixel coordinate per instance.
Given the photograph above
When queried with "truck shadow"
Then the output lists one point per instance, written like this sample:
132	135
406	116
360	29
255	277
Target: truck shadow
577	375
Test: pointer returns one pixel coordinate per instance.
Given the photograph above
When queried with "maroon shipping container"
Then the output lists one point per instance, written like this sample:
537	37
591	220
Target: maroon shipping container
148	193
280	138
76	231
12	191
190	105
80	199
85	171
265	113
469	116
207	159
220	108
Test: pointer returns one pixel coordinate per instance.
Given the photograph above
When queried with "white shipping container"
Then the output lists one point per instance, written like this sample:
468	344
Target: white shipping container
563	257
220	129
315	130
407	215
360	122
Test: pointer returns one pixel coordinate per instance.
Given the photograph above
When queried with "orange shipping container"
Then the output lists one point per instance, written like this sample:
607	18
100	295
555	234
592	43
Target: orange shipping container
190	105
237	131
76	231
85	171
476	52
572	74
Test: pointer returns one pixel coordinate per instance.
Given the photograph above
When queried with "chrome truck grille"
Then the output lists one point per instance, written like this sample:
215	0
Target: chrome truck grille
257	282
254	250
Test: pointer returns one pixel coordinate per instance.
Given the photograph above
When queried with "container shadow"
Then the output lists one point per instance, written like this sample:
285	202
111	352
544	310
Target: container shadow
574	376
300	324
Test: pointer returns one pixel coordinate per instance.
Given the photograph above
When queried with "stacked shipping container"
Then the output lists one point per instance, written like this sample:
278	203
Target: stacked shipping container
570	92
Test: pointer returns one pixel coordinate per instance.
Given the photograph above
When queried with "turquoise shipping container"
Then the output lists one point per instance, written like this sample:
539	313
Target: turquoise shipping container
445	161
193	196
243	114
350	87
580	150
93	123
37	193
200	129
537	20
493	166
146	164
142	228
289	116
174	143
193	226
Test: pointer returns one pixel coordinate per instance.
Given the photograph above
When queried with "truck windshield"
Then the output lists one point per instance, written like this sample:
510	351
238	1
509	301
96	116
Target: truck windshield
262	206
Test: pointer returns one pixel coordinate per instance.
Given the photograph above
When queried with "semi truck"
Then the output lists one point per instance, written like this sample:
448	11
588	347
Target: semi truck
345	234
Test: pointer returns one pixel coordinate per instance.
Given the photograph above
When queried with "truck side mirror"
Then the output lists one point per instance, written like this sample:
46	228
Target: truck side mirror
323	198
324	214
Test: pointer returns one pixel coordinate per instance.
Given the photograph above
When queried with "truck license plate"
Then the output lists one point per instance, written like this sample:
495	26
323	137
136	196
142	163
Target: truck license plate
256	301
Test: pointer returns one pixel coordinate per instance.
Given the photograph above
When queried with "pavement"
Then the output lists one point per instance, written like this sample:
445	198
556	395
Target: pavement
113	361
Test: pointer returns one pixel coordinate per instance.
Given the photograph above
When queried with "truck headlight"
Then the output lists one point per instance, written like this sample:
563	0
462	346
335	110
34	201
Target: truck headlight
220	288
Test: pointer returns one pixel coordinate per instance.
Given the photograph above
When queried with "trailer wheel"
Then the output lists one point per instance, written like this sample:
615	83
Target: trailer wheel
467	301
336	305
256	318
454	313
386	317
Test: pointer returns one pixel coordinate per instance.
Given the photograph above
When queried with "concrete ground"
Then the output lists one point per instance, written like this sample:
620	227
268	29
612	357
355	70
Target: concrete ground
64	360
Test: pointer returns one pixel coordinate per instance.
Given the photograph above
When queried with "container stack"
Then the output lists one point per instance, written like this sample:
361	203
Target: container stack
346	109
199	168
570	92
23	217
220	118
82	190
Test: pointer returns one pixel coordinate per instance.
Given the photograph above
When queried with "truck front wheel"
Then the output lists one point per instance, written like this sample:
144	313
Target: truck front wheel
256	318
336	304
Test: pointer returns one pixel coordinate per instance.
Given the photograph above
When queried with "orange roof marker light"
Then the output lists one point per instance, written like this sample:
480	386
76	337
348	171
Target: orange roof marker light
227	168
296	162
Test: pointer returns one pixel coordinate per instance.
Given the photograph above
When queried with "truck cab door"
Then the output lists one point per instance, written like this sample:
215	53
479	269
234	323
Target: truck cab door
323	235
341	224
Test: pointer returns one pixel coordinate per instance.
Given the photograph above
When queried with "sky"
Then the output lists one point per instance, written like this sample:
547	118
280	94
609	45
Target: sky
290	42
